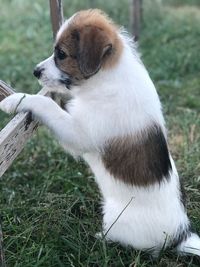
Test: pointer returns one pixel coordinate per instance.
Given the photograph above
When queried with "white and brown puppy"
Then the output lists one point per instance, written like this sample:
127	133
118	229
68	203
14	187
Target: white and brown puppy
114	121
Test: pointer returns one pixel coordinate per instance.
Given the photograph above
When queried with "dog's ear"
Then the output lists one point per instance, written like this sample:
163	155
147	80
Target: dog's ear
94	46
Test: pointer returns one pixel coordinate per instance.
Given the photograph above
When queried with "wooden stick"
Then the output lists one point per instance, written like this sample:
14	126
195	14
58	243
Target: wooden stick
137	16
15	134
56	11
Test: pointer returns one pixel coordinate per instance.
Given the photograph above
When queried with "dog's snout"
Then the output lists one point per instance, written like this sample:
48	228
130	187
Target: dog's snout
37	72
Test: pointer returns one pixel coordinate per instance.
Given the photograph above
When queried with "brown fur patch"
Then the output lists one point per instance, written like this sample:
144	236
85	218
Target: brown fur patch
90	42
141	160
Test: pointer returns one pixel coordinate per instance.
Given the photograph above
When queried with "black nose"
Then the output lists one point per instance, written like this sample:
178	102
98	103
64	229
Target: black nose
37	72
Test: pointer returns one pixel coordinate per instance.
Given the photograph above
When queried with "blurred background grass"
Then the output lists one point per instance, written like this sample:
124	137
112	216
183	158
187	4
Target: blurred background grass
49	203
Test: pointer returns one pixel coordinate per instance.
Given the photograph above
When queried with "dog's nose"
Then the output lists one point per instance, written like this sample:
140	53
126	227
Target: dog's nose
37	72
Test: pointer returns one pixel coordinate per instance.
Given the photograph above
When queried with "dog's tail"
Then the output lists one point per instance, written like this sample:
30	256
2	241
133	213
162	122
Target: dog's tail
190	245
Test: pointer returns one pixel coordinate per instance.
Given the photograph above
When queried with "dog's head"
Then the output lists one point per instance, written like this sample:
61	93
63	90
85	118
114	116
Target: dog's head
85	43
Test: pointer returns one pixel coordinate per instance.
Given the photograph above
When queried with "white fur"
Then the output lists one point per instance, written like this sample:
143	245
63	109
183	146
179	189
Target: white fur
115	102
64	26
190	246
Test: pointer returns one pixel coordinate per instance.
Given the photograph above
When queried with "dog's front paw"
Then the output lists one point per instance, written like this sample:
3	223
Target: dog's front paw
12	103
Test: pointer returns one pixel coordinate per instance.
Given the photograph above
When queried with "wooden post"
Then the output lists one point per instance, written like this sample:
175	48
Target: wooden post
56	12
136	18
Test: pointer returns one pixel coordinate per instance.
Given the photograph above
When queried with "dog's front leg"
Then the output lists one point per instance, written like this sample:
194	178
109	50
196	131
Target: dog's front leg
67	131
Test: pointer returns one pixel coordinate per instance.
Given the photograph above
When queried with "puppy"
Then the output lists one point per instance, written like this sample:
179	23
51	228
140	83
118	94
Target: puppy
114	121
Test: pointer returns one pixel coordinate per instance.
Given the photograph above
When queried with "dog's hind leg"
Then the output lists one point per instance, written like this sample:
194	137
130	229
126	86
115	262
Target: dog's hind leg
191	245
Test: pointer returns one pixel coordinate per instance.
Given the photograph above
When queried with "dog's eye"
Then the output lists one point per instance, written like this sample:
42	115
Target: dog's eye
60	54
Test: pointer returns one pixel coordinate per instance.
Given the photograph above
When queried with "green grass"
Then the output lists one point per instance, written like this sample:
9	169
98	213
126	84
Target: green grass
50	205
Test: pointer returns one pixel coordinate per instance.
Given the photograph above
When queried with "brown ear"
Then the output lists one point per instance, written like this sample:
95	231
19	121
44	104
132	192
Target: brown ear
94	45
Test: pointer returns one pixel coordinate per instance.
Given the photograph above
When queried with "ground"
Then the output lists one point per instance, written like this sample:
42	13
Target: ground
50	205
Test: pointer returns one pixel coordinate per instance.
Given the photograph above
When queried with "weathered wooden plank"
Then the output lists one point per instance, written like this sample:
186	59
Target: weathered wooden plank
15	134
56	10
13	138
5	90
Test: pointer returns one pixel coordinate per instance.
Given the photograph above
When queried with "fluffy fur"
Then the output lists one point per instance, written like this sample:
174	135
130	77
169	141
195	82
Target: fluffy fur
114	121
